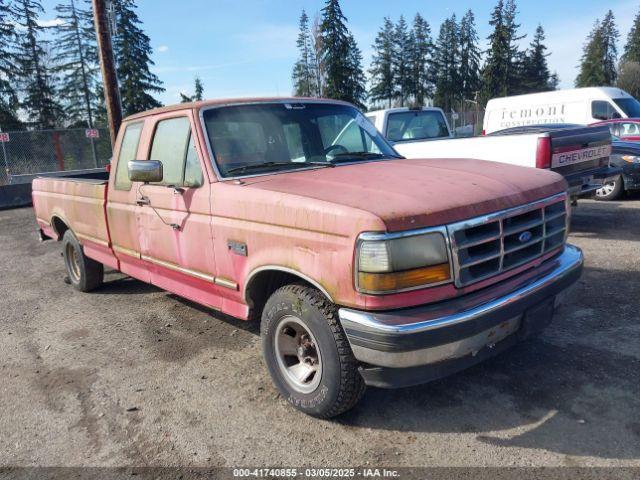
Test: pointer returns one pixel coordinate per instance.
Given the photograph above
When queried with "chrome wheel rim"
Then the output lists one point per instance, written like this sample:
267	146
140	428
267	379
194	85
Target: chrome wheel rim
73	262
297	354
607	189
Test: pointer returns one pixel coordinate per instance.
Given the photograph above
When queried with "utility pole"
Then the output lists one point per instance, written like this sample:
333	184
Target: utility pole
107	65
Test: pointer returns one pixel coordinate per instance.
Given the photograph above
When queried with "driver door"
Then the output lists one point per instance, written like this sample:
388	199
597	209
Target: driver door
175	225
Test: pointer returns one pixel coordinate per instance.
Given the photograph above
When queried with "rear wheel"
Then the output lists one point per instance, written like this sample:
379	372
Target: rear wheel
308	354
611	190
84	273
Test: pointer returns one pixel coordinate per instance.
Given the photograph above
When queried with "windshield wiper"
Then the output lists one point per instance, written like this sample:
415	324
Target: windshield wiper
354	156
255	166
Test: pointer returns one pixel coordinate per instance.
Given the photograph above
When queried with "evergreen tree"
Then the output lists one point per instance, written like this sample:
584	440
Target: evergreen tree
198	90
610	37
446	64
8	97
34	76
340	57
198	95
537	77
382	71
598	64
133	59
304	75
515	62
400	61
591	66
469	57
495	71
356	82
420	55
502	71
77	62
632	48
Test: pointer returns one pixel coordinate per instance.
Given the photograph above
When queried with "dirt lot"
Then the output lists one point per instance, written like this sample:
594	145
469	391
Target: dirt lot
131	375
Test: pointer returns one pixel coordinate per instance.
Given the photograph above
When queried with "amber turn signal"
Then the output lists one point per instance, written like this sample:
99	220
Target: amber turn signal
390	282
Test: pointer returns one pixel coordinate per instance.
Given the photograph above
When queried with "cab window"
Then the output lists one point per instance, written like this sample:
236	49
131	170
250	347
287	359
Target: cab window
629	130
174	147
128	151
603	110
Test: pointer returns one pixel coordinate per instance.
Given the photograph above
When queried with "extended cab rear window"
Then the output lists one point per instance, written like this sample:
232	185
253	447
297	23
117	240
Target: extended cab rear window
128	152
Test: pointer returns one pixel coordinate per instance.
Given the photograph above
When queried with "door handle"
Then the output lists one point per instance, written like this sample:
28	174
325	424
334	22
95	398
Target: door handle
143	201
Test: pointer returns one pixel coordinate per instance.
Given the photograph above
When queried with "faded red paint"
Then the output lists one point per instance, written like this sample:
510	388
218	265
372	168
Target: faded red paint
305	222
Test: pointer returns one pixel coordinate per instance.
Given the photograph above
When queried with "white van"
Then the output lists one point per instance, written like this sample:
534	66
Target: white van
578	106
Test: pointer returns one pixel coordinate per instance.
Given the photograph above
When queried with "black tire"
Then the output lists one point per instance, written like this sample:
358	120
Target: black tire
84	273
611	194
339	385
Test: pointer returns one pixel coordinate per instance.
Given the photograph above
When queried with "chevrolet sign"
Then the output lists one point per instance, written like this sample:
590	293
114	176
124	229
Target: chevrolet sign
577	156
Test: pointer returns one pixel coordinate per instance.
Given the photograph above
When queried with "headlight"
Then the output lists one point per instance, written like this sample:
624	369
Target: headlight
631	158
388	265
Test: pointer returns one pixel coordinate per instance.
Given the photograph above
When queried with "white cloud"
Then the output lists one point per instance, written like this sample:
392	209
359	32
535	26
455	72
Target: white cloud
54	22
162	49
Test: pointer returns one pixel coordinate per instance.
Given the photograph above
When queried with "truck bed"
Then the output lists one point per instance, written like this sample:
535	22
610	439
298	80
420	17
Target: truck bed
76	203
580	154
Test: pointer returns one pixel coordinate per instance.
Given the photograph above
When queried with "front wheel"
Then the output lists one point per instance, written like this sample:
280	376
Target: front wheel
611	190
307	353
84	273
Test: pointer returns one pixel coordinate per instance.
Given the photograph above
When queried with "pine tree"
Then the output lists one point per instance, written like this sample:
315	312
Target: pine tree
197	96
8	97
382	71
77	62
400	61
502	72
133	59
33	68
632	48
515	62
610	37
304	75
536	75
446	63
629	78
340	57
198	89
356	82
600	54
420	56
469	57
495	71
591	66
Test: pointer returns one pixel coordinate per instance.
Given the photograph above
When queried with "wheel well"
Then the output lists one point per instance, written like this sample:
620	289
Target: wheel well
59	226
262	285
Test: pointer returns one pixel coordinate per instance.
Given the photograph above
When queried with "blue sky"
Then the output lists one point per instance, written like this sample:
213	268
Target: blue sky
247	47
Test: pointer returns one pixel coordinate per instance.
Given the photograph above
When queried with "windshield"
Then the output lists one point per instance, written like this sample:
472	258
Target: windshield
630	106
416	125
260	138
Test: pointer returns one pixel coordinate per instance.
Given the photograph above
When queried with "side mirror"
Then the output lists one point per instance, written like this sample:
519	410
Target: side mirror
147	171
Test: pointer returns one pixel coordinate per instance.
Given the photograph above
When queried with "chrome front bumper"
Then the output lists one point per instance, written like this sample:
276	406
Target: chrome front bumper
402	341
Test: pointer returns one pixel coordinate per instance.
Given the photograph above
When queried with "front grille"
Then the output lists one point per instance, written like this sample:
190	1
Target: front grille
495	243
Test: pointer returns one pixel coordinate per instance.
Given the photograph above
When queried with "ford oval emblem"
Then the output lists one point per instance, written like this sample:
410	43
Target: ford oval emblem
524	237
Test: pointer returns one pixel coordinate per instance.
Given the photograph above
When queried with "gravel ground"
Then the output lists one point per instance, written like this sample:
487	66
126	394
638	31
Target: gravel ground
132	375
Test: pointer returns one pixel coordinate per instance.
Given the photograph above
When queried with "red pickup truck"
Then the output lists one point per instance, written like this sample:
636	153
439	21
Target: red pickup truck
363	268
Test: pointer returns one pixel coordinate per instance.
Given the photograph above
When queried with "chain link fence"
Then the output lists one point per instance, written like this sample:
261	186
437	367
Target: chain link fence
465	124
25	154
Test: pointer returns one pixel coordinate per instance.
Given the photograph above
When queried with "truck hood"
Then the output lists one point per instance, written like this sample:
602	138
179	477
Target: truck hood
416	193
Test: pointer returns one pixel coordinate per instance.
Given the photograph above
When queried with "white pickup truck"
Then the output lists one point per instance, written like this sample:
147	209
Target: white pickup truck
580	154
